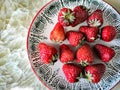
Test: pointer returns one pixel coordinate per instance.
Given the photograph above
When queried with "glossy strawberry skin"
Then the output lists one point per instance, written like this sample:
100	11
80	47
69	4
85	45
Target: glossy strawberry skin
95	19
91	33
105	53
47	53
66	16
58	33
108	33
66	55
81	14
95	72
74	37
85	55
71	72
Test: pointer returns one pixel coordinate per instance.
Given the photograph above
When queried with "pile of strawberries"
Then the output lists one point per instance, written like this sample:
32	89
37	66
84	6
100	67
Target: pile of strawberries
79	64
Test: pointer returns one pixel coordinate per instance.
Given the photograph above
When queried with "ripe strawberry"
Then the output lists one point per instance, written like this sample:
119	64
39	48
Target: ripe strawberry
95	72
66	55
108	33
81	14
91	33
84	55
57	34
66	16
48	54
74	38
72	72
95	19
105	53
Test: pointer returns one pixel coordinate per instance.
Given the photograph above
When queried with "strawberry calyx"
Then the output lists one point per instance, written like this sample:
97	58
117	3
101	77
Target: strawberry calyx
82	41
94	23
84	63
81	76
56	41
54	59
88	75
68	17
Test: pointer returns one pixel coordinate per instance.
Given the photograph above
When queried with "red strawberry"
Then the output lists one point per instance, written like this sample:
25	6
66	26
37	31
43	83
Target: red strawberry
108	33
105	53
66	55
91	33
66	16
74	38
57	34
95	72
95	19
72	72
81	14
48	54
84	55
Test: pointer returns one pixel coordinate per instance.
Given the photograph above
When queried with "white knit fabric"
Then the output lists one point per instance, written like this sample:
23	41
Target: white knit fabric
15	70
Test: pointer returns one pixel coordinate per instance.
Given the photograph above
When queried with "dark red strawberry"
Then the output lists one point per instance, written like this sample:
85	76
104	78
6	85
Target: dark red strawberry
66	55
85	55
48	54
95	72
57	34
95	19
66	16
72	72
105	53
91	33
81	14
75	38
108	33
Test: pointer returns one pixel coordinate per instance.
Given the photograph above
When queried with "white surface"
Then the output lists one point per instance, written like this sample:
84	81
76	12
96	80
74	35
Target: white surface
18	88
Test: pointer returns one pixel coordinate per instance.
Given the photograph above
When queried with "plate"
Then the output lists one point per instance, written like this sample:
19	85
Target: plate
52	75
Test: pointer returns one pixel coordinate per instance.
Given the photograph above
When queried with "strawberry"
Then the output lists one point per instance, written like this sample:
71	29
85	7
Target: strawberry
66	55
95	19
95	72
66	16
74	37
48	54
81	14
72	72
91	33
108	33
105	53
58	33
84	55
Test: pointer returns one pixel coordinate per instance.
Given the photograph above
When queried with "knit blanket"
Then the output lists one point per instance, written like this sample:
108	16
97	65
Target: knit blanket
15	70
